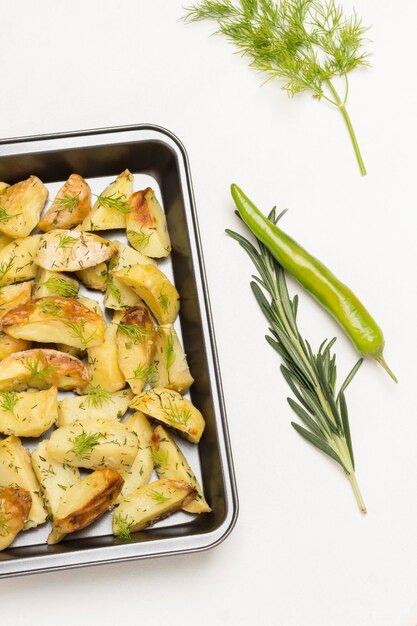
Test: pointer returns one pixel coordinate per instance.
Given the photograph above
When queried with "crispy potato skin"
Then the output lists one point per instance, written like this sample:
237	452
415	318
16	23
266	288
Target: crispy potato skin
15	505
69	309
57	216
65	371
112	484
139	209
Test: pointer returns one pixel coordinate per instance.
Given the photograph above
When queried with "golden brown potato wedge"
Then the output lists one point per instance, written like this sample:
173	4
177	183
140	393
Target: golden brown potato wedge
135	337
146	226
16	470
171	367
72	203
140	472
150	284
85	502
49	283
110	209
171	408
93	444
54	478
40	369
97	403
118	295
26	413
94	277
13	295
3	186
149	504
72	250
15	504
55	319
20	207
9	345
103	363
171	463
17	260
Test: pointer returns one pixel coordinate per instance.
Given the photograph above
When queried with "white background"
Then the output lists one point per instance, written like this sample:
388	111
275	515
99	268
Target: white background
301	553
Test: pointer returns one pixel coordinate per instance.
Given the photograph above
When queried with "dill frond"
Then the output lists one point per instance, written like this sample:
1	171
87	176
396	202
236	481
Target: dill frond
60	287
66	240
8	400
97	396
158	496
68	202
84	444
114	202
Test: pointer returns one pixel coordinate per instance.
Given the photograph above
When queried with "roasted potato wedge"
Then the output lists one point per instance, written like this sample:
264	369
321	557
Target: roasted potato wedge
28	414
17	260
170	408
150	284
55	319
16	470
72	250
110	209
4	239
15	505
49	283
149	504
103	363
118	295
13	295
140	472
20	207
54	478
72	203
93	444
3	186
135	337
170	463
41	369
97	403
9	345
146	225
94	277
171	367
85	502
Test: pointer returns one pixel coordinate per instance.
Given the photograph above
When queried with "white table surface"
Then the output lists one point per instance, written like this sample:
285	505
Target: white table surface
301	554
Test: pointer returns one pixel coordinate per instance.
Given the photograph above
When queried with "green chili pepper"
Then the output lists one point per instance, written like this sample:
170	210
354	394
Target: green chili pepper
317	279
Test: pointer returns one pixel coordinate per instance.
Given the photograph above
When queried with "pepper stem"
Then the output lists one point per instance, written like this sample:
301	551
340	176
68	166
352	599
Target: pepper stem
342	108
382	362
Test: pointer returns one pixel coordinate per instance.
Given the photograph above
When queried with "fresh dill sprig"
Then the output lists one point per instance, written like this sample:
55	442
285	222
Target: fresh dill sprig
77	330
84	443
177	415
138	238
135	333
146	373
68	202
163	302
4	216
157	496
36	370
311	377
169	351
50	307
6	266
114	202
8	400
97	396
161	460
305	43
66	240
60	287
123	527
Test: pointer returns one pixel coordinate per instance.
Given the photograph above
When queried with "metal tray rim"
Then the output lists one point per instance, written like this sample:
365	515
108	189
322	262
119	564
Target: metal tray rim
203	541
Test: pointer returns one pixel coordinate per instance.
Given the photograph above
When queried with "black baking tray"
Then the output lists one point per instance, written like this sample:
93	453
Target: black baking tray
157	152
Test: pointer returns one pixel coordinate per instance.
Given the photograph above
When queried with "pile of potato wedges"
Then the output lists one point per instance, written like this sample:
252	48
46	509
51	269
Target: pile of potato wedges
124	366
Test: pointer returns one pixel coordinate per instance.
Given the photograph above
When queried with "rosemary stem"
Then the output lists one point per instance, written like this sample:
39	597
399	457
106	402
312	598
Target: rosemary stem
343	451
357	492
342	108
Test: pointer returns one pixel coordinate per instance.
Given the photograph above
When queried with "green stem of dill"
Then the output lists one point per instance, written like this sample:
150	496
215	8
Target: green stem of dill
341	106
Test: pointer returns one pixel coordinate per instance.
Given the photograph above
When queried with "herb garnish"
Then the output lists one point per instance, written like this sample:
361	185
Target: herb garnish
60	287
97	396
311	377
76	330
135	333
8	400
66	240
84	443
68	202
157	496
123	527
306	43
114	202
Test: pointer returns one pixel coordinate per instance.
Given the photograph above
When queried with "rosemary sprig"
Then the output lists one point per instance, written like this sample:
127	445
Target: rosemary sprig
60	287
311	377
114	202
305	43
